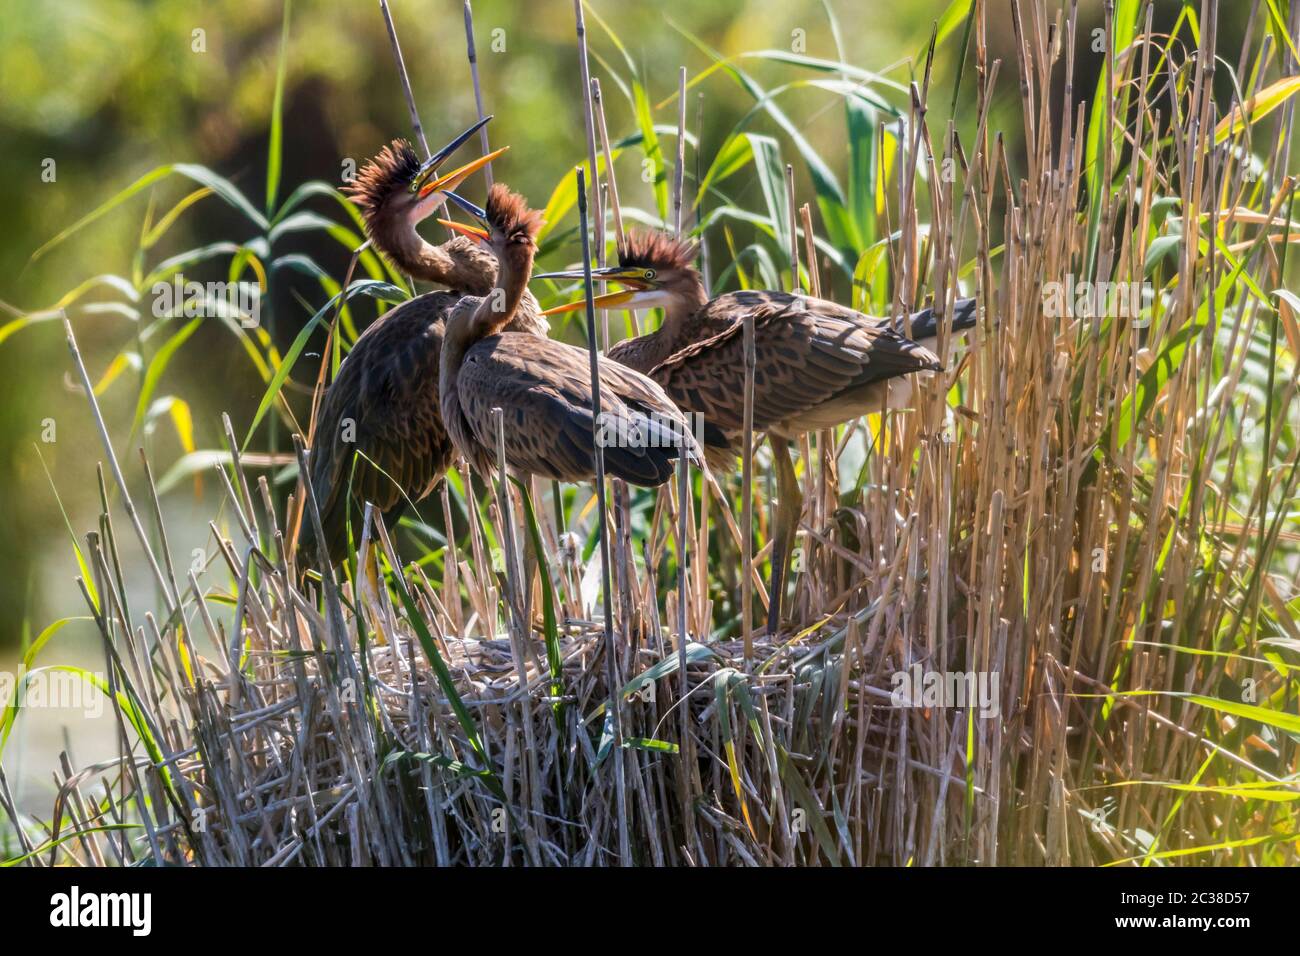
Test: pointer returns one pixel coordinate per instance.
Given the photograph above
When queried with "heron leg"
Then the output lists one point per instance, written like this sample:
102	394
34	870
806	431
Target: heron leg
371	573
528	550
389	519
530	569
789	503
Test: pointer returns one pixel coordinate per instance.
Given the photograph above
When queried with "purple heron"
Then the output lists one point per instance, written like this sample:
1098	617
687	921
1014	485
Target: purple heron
817	363
379	435
543	387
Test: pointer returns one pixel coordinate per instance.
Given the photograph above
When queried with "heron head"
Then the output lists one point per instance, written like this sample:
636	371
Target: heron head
507	226
396	187
653	267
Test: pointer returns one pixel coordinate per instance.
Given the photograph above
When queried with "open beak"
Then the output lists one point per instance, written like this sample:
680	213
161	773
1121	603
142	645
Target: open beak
459	175
426	182
472	231
626	298
610	300
624	274
480	232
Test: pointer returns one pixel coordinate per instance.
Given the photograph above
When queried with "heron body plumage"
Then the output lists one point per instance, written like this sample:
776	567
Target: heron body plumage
817	364
379	435
543	387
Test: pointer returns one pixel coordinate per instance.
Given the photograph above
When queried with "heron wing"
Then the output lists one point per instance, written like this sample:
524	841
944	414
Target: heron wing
544	390
808	353
379	429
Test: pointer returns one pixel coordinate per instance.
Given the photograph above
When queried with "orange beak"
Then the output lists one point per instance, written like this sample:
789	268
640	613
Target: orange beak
474	232
610	300
459	175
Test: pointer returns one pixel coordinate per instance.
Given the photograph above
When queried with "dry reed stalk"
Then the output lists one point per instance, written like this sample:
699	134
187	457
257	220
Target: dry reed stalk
406	80
589	127
747	493
679	169
471	53
607	595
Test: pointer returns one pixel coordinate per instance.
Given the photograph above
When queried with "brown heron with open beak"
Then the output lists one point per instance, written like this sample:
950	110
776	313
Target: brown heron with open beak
817	364
543	387
379	435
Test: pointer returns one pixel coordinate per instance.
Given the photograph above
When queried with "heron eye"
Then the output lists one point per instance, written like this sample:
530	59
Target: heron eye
649	273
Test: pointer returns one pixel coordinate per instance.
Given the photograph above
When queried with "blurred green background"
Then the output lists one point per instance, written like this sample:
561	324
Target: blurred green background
109	89
100	92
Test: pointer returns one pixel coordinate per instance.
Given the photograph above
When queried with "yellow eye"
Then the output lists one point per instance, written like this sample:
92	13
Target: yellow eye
649	273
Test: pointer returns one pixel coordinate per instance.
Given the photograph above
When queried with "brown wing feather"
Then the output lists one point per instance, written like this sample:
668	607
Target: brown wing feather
386	398
544	388
809	352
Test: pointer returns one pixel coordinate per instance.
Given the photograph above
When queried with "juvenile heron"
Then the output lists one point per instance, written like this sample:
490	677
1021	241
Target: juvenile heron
544	387
379	435
817	363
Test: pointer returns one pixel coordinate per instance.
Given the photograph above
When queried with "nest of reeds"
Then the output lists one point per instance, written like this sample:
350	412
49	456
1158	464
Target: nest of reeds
355	738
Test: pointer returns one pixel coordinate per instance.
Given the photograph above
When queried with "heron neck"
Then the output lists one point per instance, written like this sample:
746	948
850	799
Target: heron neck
450	264
495	310
684	304
673	334
499	306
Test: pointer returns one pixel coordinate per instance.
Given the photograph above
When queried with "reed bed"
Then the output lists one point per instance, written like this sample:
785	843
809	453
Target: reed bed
1094	507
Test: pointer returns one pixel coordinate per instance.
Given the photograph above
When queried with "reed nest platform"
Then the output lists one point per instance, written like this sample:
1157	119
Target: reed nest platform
299	748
